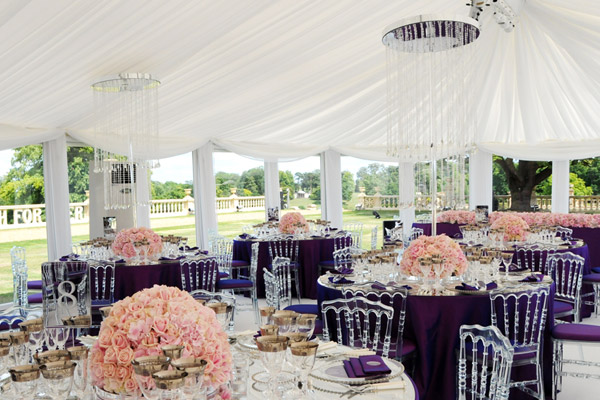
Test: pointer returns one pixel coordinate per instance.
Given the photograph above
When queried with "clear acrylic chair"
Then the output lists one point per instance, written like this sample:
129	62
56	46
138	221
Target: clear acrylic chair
102	288
340	240
574	334
374	238
223	251
245	284
566	269
359	323
394	297
521	316
199	273
278	284
10	322
414	234
287	247
355	229
564	233
534	257
484	363
19	271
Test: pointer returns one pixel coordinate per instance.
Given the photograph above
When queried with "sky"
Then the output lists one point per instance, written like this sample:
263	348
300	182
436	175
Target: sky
179	168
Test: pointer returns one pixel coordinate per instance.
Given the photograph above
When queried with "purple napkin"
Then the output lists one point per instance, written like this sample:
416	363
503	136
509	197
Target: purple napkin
378	286
464	286
373	365
340	281
491	286
244	236
513	268
533	278
205	252
187	248
343	271
258	334
170	259
349	370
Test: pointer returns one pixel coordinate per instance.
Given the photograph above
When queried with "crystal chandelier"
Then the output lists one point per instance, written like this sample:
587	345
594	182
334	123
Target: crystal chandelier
430	104
126	119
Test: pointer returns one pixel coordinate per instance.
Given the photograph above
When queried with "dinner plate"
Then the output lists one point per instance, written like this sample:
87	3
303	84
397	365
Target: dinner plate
333	371
247	342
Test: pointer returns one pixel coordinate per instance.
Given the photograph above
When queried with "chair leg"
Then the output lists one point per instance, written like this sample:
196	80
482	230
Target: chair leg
540	382
255	306
297	283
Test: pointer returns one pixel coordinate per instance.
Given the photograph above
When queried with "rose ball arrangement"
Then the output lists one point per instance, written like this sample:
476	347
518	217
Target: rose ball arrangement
456	217
142	324
515	228
441	247
126	241
292	222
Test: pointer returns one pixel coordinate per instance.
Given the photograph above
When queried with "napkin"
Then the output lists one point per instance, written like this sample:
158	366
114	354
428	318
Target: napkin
488	286
378	286
187	248
533	278
244	236
343	271
340	281
170	259
513	268
374	364
325	346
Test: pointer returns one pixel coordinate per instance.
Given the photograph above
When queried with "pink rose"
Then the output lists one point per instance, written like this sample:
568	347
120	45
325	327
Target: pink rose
109	370
125	356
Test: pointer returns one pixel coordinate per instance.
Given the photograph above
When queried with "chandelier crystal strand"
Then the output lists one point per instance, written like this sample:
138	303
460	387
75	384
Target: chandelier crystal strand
126	115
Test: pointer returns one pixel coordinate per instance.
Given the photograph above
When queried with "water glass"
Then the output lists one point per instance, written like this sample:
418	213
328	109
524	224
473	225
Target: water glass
194	367
302	356
143	370
25	378
239	379
59	378
272	354
265	315
79	355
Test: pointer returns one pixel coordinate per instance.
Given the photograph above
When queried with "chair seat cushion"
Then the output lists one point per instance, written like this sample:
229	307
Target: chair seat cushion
34	285
234	283
240	264
318	327
97	304
596	270
579	332
223	275
5	319
304	308
562	307
591	278
408	347
35	298
327	263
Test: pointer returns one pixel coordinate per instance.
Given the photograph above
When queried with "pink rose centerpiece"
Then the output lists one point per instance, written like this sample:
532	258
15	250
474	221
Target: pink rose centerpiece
125	243
292	222
441	246
552	219
515	227
150	319
457	217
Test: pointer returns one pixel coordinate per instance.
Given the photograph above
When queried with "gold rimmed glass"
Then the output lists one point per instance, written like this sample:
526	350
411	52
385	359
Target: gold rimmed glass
272	354
79	354
302	356
25	378
169	383
59	378
269	330
265	315
306	324
194	367
143	370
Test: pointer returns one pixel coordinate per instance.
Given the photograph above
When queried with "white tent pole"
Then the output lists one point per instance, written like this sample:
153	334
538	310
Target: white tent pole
480	179
560	186
331	188
56	188
271	186
204	194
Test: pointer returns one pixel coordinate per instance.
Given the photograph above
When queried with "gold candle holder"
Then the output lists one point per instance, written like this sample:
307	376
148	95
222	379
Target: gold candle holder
78	352
172	351
269	330
148	365
58	369
304	348
24	373
51	356
173	379
32	325
272	343
191	365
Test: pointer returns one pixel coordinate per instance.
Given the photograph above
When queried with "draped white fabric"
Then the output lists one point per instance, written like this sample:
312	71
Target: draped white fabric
560	186
56	184
291	79
331	188
406	182
481	180
272	199
204	194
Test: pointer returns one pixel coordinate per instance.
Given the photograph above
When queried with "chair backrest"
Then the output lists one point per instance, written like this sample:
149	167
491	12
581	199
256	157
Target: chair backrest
358	322
484	363
17	255
521	315
374	238
223	251
199	274
102	281
566	269
66	291
284	247
534	257
254	262
564	233
342	239
395	297
19	270
355	229
271	290
213	238
415	233
10	322
283	279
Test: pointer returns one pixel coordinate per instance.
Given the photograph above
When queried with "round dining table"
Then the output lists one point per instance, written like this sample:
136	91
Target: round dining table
433	324
310	253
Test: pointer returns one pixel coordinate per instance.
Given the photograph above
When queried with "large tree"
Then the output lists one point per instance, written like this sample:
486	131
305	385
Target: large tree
522	178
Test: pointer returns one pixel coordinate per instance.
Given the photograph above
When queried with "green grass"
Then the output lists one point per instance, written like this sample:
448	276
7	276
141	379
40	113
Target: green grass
230	225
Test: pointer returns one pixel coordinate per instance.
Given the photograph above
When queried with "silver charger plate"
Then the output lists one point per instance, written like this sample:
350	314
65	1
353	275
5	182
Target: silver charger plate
333	371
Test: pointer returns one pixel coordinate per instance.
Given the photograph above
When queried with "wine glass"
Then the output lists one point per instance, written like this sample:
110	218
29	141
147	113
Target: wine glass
143	370
59	378
169	383
223	311
306	324
20	344
302	356
79	355
265	315
507	257
194	367
272	354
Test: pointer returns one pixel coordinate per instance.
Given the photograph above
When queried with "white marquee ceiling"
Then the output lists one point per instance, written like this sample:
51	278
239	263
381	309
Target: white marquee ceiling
291	78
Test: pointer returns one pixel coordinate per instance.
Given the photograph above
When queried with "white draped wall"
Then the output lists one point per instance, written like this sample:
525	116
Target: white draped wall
204	194
331	188
272	199
406	190
56	190
560	186
480	180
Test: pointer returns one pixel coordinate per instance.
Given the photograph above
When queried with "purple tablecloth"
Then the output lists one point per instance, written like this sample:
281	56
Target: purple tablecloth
133	278
433	323
451	230
310	253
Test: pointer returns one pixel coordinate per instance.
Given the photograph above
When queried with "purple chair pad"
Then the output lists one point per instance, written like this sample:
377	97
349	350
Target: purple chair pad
304	308
408	347
34	285
327	263
577	332
15	325
562	307
591	278
35	298
239	263
596	270
234	283
223	275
